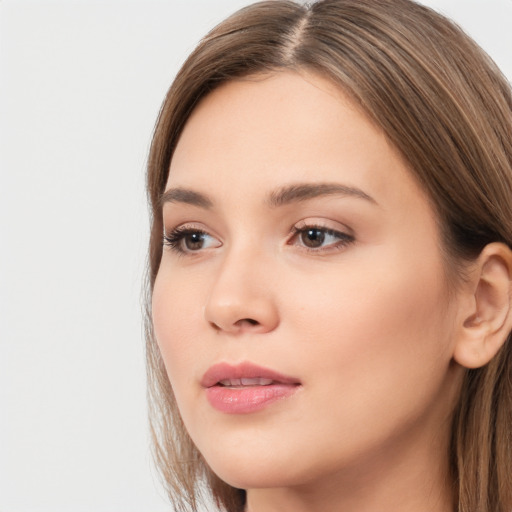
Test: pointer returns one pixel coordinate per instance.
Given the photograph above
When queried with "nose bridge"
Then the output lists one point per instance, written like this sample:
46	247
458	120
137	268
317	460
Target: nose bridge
241	297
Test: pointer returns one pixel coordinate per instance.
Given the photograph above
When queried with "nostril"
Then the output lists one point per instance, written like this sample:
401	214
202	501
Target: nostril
238	324
215	326
250	321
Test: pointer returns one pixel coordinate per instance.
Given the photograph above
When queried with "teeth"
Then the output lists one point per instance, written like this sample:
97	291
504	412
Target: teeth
258	381
231	382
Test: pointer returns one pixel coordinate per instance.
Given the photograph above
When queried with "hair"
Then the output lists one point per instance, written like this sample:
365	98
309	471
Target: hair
446	107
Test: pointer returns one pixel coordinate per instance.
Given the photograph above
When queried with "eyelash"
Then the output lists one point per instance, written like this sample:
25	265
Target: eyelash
176	237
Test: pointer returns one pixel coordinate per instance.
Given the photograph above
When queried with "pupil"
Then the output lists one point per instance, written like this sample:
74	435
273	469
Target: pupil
194	241
313	238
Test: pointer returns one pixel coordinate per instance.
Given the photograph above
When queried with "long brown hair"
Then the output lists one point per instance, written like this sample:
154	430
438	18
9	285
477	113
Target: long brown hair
447	108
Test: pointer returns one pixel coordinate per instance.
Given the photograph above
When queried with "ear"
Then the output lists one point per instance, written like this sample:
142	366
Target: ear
486	317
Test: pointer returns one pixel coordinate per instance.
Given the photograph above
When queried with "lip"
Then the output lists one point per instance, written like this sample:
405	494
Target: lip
249	398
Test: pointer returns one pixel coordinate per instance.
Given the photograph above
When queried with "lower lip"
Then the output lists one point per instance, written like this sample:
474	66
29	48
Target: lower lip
247	399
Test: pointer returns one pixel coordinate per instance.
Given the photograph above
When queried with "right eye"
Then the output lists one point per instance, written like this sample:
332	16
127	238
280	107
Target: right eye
185	240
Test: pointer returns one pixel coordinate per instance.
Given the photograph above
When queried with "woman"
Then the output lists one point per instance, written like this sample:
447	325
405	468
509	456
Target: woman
330	265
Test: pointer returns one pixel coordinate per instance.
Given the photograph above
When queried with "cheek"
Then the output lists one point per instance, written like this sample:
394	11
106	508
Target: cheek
371	298
176	312
376	330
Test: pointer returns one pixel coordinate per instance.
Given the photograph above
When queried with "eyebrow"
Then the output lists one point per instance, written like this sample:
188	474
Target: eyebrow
187	196
304	191
288	194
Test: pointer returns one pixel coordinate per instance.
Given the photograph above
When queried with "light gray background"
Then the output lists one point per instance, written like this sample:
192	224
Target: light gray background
80	86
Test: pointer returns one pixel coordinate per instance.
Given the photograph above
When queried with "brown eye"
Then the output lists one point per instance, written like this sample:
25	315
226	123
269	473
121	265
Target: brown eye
319	239
185	240
193	241
313	238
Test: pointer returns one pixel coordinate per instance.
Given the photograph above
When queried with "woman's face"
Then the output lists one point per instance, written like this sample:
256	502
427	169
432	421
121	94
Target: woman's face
301	306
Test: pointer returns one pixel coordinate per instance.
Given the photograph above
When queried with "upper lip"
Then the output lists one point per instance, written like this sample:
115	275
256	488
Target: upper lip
226	371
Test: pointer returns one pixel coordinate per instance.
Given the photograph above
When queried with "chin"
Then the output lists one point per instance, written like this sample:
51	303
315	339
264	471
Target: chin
264	469
245	475
252	467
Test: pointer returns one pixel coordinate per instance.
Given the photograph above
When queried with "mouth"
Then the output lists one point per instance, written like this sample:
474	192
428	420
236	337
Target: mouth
246	388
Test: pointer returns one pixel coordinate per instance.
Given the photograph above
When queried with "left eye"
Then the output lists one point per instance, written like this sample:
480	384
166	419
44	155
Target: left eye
315	237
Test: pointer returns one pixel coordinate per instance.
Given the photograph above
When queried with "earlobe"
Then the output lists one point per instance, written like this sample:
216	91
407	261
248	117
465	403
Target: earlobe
487	322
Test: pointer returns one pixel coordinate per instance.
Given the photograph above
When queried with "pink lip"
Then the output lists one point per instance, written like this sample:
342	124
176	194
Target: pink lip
246	399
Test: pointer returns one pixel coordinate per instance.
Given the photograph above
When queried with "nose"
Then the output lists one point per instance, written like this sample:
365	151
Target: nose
242	297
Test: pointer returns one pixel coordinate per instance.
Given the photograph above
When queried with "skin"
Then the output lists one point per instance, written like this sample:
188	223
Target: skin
366	323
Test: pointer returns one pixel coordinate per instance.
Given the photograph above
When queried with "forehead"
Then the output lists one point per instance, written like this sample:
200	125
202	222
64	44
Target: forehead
259	133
